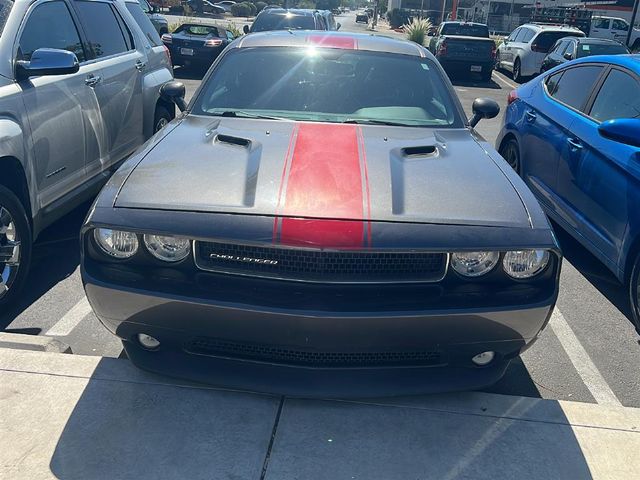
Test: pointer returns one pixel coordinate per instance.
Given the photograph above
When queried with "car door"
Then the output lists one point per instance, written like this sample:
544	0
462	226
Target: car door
601	28
513	46
598	177
546	127
63	110
619	29
119	90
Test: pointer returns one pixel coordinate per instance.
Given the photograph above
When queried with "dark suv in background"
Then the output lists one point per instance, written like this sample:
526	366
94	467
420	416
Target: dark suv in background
287	19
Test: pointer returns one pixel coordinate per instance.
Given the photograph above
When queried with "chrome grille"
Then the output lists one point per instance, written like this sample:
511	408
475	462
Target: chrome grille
311	358
341	266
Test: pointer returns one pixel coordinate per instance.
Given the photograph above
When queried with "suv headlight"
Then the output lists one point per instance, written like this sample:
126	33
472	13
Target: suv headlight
116	243
523	264
167	248
474	264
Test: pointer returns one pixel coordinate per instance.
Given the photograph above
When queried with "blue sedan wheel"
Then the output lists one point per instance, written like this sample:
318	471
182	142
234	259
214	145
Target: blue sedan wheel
634	293
510	151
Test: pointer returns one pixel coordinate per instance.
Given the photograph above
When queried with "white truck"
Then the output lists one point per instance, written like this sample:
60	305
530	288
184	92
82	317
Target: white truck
616	29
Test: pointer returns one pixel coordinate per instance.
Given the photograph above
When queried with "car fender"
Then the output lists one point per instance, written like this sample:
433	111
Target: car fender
14	144
151	91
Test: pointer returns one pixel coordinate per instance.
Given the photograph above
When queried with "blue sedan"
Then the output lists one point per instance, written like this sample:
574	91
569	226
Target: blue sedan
573	134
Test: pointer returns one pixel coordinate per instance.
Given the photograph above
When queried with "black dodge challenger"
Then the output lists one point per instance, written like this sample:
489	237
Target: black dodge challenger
322	219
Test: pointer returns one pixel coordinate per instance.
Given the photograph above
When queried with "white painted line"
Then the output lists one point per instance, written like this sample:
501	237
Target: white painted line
505	81
71	319
583	364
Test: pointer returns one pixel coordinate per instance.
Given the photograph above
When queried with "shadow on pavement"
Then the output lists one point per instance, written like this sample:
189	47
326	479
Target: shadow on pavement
457	81
139	426
194	72
516	381
594	271
56	255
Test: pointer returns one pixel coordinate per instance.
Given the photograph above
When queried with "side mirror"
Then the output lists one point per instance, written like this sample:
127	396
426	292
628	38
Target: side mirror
338	25
568	56
622	130
48	61
174	92
245	29
483	108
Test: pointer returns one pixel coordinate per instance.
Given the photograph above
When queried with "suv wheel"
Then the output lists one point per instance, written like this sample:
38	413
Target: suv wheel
510	151
15	246
161	118
517	73
634	292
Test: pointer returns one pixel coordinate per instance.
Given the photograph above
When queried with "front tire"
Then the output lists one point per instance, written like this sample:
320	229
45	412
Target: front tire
15	247
633	290
510	151
161	118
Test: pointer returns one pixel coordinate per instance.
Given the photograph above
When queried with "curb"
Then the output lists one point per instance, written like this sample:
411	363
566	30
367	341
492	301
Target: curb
37	343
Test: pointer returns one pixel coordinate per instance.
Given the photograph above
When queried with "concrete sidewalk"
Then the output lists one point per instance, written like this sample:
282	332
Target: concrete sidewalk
75	417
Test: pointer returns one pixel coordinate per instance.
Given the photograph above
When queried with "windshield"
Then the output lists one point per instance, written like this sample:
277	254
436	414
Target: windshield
283	21
5	8
332	85
201	30
458	29
588	49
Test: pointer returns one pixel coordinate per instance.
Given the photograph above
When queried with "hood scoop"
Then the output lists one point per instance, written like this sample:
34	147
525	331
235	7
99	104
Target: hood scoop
420	151
231	140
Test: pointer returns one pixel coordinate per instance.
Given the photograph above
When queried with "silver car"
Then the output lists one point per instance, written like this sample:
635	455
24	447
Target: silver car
523	52
79	93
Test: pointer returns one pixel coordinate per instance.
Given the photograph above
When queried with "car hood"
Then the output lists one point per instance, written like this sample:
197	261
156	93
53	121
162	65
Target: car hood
326	171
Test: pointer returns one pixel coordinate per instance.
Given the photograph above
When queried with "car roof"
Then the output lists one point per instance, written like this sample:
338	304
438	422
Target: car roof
461	22
554	27
356	41
603	41
284	11
632	61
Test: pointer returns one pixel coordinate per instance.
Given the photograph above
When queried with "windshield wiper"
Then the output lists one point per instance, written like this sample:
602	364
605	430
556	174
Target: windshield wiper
242	114
370	121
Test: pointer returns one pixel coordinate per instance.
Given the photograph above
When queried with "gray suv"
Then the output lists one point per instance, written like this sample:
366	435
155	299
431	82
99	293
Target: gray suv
79	92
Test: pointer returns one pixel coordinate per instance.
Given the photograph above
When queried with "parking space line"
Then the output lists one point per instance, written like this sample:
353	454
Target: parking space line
71	319
589	373
505	81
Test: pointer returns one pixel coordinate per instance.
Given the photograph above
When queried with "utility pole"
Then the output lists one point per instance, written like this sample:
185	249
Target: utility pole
444	4
633	20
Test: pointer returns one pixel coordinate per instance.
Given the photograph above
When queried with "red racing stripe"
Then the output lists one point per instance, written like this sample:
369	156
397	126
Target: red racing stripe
325	180
332	41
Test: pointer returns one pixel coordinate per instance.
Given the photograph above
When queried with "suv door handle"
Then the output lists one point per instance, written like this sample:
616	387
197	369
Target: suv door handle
531	116
140	65
574	144
92	80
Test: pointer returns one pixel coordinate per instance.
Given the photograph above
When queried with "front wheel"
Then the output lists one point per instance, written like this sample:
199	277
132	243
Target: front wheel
633	289
162	118
15	246
510	151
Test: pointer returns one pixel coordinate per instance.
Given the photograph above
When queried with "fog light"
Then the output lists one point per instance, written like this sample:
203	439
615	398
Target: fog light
148	342
484	358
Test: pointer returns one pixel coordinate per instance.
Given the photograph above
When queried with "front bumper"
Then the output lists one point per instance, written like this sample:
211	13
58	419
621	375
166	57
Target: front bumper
190	331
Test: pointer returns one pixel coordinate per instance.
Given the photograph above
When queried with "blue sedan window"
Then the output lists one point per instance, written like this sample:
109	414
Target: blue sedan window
575	85
609	104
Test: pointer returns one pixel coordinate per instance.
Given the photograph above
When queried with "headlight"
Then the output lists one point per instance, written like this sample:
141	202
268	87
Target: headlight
474	264
167	248
116	243
525	263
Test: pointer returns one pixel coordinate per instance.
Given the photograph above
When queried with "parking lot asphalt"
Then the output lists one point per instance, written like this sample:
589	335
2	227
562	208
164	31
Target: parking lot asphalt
589	353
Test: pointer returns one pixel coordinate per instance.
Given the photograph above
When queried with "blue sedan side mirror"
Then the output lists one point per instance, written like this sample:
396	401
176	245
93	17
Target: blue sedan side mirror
622	130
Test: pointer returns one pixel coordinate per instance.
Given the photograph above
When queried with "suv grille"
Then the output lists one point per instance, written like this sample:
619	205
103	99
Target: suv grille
310	358
343	266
